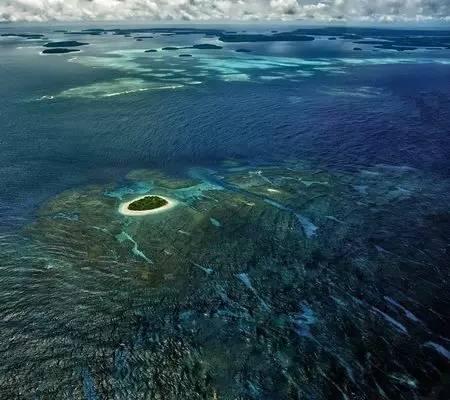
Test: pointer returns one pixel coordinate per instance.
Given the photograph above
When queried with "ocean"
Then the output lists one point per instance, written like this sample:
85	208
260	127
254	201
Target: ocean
307	256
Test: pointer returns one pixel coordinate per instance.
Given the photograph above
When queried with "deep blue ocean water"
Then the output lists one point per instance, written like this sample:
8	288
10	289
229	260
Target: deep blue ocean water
374	124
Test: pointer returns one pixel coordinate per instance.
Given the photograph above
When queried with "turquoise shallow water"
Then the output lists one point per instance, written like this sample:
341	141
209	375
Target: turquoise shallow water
307	256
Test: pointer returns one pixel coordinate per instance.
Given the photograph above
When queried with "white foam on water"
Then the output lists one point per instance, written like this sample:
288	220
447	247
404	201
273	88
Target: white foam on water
439	348
116	87
124	236
397	325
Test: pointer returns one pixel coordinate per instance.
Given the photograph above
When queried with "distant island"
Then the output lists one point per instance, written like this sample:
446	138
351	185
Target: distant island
67	43
279	37
59	50
23	35
206	46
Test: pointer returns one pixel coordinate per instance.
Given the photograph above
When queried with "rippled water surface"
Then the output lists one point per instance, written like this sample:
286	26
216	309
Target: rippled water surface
307	256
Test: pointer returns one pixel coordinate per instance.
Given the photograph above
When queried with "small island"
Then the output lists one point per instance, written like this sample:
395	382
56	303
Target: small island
59	50
145	205
67	43
206	46
24	35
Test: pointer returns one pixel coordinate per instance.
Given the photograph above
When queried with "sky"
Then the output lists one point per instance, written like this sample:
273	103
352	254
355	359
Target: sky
213	10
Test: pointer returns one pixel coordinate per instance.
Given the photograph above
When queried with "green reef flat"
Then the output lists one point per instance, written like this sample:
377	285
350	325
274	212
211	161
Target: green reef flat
147	203
260	271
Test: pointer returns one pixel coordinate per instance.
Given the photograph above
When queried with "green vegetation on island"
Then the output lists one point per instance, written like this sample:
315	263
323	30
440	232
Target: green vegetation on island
147	203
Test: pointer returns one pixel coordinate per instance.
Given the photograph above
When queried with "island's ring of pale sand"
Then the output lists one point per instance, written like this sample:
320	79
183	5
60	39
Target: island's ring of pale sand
123	208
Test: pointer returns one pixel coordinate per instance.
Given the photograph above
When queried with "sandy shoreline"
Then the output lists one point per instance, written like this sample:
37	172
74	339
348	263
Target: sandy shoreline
123	208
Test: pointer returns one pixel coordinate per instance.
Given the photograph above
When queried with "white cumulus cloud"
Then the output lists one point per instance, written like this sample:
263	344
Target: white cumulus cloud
322	10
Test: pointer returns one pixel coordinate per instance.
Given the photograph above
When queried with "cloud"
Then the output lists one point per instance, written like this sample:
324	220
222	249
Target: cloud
321	10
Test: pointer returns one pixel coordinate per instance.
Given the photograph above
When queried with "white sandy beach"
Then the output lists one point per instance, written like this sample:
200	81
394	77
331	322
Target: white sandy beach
123	208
